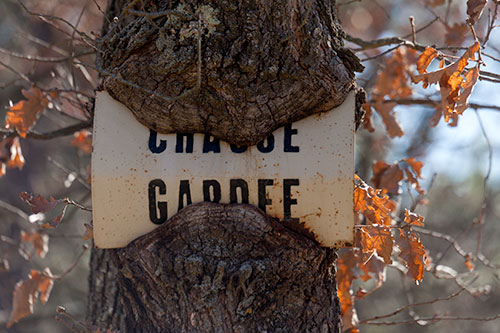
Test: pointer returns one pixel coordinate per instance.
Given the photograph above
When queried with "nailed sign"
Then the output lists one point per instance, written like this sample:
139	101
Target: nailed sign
301	174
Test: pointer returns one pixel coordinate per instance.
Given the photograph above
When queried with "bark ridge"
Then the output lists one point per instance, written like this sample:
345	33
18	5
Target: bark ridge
226	268
235	69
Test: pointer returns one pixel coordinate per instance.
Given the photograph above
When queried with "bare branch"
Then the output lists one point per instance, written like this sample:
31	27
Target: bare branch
430	320
408	306
70	269
71	202
14	210
42	59
480	219
49	135
373	44
44	18
430	102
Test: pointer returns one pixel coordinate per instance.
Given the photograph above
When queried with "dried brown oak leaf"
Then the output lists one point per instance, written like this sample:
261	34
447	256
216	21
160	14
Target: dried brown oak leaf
38	204
455	35
23	115
413	254
374	267
89	232
387	176
412	170
26	292
393	81
475	9
379	239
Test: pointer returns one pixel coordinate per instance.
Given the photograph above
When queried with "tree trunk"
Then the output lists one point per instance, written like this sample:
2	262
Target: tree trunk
237	70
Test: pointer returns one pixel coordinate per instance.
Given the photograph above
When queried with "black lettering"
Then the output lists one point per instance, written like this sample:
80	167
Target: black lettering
243	186
207	184
155	149
289	131
155	208
184	189
270	145
263	200
209	145
287	199
238	149
179	147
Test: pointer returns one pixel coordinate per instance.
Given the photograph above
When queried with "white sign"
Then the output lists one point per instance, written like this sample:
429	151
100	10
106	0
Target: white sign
301	174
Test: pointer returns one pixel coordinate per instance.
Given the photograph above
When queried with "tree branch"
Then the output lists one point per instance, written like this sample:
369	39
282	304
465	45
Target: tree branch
4	133
430	102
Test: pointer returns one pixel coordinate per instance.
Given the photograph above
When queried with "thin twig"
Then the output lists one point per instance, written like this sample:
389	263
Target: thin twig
14	210
373	44
45	17
68	172
13	70
76	204
431	320
413	32
8	240
408	306
70	269
491	24
49	135
480	219
430	102
42	59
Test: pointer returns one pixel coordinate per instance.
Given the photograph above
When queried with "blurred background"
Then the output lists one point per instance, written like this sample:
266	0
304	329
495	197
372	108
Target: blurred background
456	160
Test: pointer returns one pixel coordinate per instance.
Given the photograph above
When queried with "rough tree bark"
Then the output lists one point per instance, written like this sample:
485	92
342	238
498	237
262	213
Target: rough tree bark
236	70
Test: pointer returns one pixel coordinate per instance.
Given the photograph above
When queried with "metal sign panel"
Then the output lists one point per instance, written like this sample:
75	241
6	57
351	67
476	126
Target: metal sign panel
301	174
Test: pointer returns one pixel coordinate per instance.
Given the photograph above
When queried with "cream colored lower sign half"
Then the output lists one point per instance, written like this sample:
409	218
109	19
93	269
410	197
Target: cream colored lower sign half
301	174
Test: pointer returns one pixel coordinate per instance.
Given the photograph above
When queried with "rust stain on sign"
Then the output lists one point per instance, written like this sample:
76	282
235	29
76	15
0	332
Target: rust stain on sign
301	174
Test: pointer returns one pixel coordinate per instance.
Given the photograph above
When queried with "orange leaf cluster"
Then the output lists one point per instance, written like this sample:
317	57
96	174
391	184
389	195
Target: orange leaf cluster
370	260
376	241
38	285
11	155
361	263
455	83
83	141
23	115
33	242
373	204
392	82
